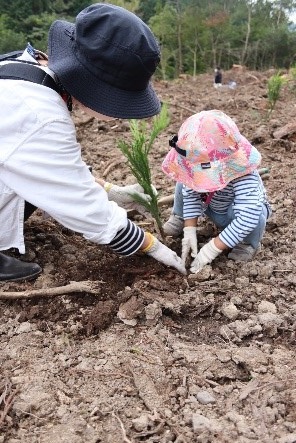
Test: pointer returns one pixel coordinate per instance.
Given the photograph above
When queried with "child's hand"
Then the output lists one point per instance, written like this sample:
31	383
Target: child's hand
205	256
189	243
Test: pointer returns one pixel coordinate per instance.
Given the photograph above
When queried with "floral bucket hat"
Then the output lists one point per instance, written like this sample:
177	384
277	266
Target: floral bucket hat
209	152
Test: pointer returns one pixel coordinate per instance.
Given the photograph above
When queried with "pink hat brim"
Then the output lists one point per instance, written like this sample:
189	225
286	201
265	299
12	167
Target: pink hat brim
216	177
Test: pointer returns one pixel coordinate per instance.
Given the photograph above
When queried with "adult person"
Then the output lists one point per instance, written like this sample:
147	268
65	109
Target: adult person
103	63
217	77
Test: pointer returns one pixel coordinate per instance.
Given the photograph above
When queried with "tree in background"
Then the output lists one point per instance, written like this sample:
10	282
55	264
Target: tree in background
9	39
194	35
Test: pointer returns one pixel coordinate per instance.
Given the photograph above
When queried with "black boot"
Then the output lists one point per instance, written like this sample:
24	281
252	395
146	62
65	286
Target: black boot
29	209
12	269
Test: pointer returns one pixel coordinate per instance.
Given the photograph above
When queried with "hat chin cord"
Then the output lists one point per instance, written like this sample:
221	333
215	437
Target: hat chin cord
65	95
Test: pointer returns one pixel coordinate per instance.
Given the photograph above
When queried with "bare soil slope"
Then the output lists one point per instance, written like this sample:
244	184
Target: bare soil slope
148	355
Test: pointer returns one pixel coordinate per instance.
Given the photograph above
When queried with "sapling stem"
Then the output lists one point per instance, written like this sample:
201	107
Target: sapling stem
137	155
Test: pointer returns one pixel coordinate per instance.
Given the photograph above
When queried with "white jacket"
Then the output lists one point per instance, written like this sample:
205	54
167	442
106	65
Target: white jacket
40	162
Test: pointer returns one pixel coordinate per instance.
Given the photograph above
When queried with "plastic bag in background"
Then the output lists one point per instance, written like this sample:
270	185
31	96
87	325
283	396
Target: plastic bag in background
232	85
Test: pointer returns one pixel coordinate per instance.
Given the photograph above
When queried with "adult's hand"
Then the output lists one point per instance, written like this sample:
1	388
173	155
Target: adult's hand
124	196
164	255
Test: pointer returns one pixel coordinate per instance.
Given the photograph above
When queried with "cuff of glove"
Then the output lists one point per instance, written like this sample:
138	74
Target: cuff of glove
151	240
214	247
189	229
107	186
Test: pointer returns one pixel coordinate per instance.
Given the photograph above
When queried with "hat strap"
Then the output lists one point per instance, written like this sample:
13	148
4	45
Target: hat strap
180	151
173	144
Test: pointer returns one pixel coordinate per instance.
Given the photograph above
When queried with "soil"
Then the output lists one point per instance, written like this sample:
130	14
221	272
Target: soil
148	355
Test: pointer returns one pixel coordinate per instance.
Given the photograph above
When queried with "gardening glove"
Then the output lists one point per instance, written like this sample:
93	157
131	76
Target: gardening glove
189	243
124	195
205	256
164	255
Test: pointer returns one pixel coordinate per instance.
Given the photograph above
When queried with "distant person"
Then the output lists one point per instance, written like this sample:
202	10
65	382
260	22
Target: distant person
218	77
215	168
103	63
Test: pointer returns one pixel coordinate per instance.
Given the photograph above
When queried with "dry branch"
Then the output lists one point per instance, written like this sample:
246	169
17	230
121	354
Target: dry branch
125	439
164	201
177	105
112	165
7	401
91	287
84	122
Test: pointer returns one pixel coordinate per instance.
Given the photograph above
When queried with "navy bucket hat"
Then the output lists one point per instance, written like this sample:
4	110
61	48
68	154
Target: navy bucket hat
106	60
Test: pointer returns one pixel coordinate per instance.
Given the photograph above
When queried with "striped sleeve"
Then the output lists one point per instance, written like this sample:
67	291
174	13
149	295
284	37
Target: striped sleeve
192	203
128	240
249	198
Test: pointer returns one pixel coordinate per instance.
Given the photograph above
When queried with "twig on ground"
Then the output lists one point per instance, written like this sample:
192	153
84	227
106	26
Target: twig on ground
84	122
252	387
282	270
30	414
125	439
157	430
91	287
111	166
163	201
177	105
94	373
7	403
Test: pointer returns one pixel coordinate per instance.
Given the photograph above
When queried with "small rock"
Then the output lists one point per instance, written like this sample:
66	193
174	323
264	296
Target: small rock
202	275
230	311
141	423
268	318
181	391
24	327
153	312
168	413
200	423
224	355
266	306
130	310
270	323
242	282
204	397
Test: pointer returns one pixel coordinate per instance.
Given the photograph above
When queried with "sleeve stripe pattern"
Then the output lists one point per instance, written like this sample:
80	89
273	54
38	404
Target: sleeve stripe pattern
128	240
247	196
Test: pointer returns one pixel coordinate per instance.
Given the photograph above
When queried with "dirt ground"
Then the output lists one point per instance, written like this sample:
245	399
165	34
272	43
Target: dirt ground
146	354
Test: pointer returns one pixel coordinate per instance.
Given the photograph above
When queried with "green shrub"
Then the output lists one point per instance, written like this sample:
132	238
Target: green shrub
274	86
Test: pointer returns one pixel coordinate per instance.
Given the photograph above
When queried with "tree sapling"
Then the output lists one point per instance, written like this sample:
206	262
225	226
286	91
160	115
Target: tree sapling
137	155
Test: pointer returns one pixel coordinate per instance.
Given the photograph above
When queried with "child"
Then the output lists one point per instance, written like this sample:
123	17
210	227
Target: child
216	170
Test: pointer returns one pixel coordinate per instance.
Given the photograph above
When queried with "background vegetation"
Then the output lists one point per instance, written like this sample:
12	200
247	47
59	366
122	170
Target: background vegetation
194	35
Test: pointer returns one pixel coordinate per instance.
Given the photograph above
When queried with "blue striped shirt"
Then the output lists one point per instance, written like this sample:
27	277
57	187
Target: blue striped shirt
245	194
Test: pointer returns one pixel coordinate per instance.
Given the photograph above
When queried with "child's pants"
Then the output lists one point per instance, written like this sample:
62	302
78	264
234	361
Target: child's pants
223	220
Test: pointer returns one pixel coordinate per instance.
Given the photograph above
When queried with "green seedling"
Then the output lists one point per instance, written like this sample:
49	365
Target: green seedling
274	86
137	155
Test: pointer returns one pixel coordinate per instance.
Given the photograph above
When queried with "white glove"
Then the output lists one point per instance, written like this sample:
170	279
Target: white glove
164	255
205	256
189	243
124	195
